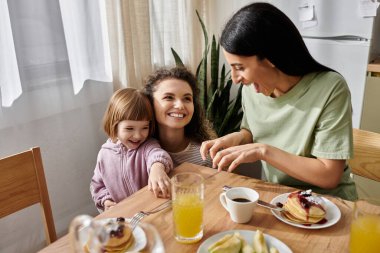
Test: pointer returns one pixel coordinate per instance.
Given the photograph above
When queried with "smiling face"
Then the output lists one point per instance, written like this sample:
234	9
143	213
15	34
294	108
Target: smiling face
251	70
173	103
132	133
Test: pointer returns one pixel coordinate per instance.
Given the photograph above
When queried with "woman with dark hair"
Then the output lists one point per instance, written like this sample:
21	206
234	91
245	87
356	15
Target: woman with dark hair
297	112
181	124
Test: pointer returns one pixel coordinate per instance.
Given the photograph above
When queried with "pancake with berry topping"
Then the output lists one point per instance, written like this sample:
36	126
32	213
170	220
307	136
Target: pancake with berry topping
119	241
304	207
120	237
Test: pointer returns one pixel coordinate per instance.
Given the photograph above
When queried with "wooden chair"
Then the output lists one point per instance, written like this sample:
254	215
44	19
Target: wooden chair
22	184
366	161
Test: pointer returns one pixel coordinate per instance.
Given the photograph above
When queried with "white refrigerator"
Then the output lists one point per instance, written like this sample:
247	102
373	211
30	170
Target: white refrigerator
339	36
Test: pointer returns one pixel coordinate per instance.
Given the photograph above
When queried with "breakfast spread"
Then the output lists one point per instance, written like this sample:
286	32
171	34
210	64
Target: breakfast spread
120	237
235	243
304	207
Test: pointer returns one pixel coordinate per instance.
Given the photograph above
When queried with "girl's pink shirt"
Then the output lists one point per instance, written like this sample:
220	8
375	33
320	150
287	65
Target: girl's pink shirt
119	171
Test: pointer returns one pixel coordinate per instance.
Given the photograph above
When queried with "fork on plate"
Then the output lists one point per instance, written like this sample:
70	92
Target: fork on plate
134	221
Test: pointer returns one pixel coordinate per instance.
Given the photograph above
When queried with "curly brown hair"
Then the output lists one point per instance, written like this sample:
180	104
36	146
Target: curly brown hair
198	129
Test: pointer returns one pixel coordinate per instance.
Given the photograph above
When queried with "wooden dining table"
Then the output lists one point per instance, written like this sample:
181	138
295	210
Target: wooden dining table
216	219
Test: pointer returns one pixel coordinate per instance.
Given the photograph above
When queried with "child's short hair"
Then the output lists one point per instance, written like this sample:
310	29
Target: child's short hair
127	104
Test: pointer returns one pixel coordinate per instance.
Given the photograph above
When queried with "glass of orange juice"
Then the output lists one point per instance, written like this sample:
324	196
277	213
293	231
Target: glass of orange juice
365	229
187	203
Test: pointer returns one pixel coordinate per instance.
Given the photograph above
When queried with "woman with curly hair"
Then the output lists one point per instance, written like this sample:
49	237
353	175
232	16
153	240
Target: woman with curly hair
180	120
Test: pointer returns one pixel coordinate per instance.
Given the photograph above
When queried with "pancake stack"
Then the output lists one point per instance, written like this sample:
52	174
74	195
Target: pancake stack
304	207
120	237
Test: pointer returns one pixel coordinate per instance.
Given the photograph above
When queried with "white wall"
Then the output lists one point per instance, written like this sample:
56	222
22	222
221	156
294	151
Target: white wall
70	135
221	11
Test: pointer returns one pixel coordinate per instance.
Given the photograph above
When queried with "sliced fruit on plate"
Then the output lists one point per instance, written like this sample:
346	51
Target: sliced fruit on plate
228	244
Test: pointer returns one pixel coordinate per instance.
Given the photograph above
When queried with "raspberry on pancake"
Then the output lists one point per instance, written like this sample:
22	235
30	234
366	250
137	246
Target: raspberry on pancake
304	207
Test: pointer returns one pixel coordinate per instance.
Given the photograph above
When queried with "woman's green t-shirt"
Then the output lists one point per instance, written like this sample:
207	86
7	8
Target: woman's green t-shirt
313	119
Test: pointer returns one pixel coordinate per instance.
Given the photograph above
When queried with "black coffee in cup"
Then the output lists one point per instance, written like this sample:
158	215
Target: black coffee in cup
241	200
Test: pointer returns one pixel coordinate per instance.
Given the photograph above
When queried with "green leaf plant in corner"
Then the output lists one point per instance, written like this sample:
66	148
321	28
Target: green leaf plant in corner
223	112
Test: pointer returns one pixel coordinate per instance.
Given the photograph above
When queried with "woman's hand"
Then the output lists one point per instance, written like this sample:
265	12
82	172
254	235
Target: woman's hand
158	181
212	147
324	173
231	157
108	204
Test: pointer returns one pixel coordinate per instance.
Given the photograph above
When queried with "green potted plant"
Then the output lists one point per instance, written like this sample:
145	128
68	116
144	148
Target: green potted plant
224	113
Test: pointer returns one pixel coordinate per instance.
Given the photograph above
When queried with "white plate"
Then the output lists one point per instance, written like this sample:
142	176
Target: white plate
138	234
248	236
332	213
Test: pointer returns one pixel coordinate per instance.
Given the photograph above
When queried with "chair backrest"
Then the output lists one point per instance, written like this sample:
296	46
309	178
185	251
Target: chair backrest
366	161
22	184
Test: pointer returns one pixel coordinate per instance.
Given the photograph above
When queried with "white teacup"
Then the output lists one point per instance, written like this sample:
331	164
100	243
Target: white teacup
239	202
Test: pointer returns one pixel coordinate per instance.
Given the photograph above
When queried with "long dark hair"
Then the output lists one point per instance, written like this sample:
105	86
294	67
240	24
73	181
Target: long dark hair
198	128
262	30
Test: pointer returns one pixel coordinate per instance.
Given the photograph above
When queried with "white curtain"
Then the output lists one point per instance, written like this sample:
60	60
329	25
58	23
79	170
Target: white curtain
85	34
10	85
85	30
51	48
134	37
130	43
175	25
142	33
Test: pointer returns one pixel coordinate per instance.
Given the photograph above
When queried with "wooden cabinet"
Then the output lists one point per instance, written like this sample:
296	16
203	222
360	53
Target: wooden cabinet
371	105
374	66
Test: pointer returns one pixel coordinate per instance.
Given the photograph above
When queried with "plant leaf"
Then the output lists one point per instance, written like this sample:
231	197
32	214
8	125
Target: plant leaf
202	71
205	35
233	116
214	65
222	77
177	59
202	80
225	96
210	112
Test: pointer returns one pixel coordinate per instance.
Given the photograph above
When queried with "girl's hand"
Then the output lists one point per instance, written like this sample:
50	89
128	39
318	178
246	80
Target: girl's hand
108	204
159	182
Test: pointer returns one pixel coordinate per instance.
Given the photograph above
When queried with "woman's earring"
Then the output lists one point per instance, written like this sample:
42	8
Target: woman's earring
270	63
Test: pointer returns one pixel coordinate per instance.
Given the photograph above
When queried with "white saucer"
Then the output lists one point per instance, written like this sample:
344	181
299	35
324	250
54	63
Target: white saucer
140	239
248	236
332	214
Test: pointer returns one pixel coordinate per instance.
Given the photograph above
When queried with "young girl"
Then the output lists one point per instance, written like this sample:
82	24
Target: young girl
130	159
181	124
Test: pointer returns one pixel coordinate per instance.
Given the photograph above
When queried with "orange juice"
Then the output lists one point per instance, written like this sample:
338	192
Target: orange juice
365	234
188	216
